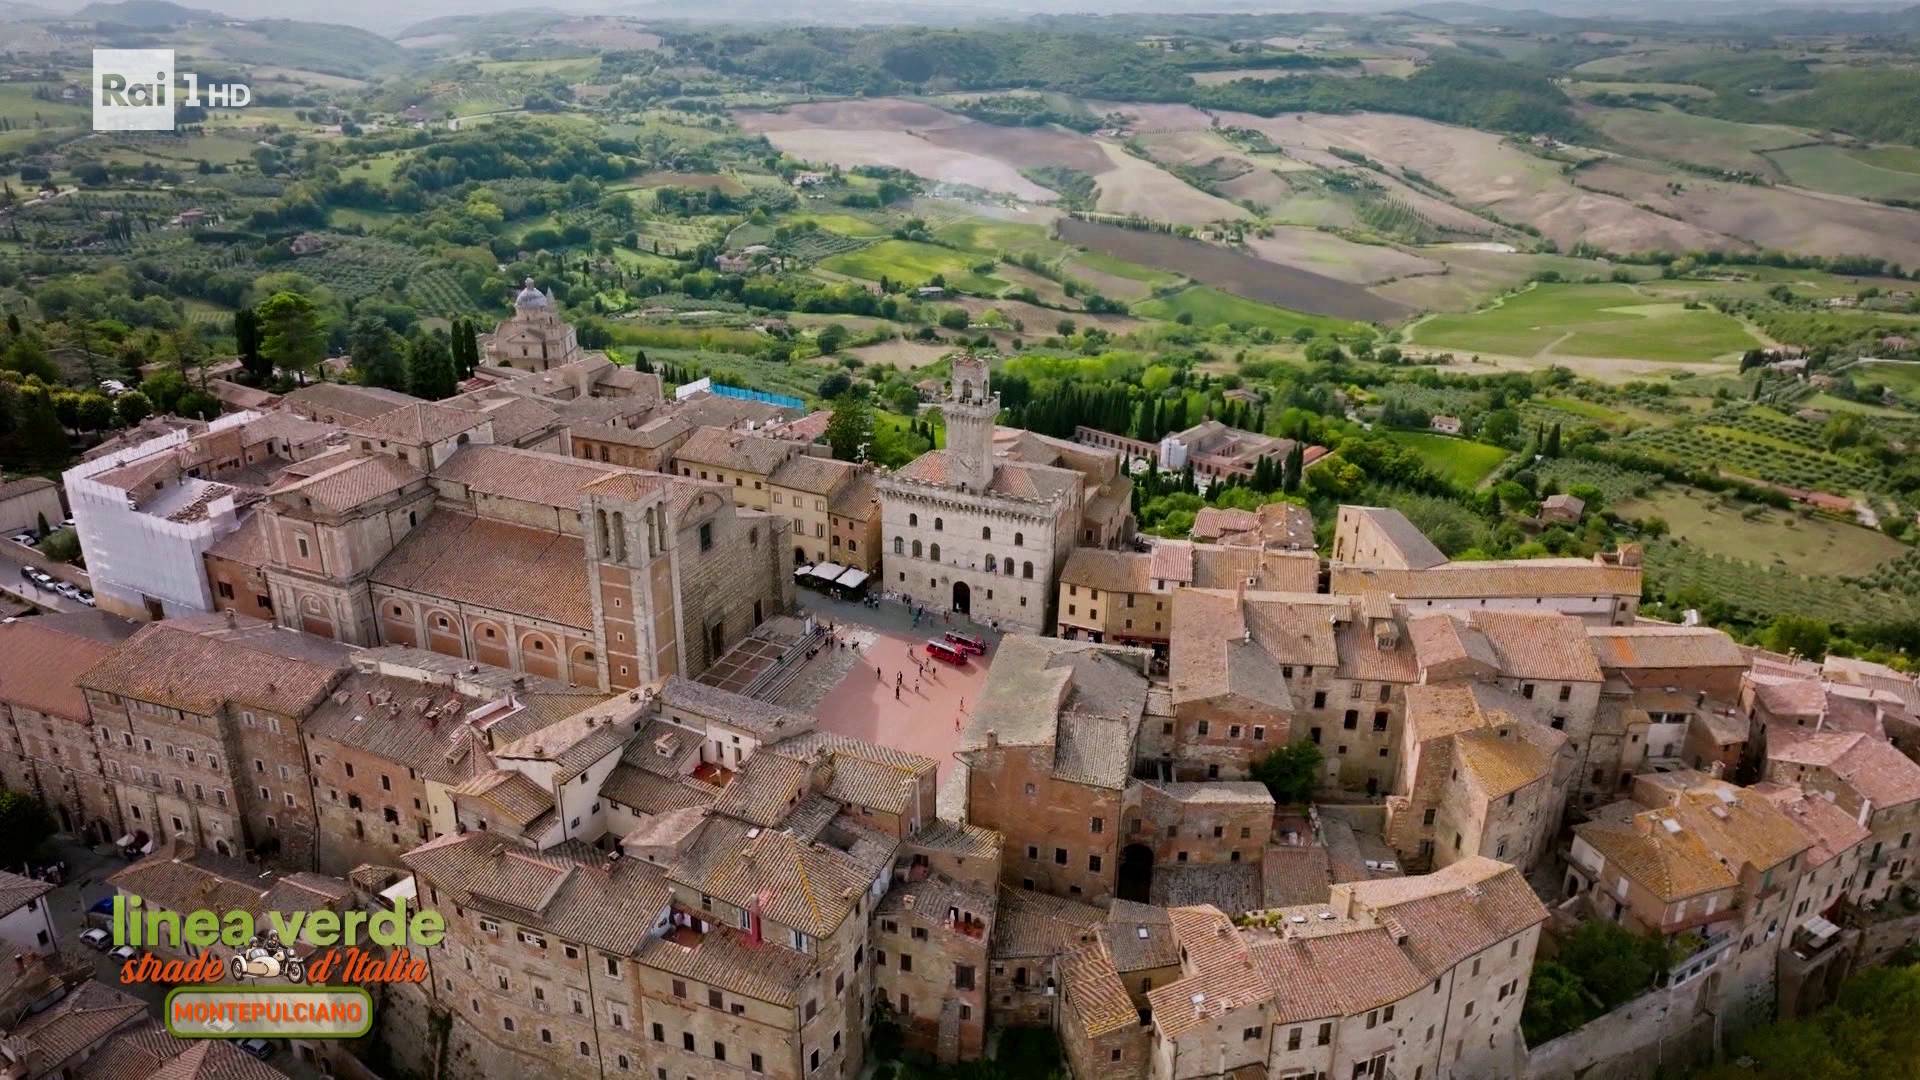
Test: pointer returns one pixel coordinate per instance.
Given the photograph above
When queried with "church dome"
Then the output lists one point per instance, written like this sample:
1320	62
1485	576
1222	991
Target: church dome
530	297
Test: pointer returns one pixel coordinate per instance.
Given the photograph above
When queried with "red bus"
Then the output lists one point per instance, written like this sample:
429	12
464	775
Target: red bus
947	653
966	644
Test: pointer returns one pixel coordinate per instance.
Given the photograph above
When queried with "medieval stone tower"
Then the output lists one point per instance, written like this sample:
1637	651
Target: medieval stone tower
970	409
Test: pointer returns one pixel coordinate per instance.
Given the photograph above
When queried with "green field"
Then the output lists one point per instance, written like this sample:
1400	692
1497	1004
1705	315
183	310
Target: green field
1842	171
915	264
1600	321
1759	534
1211	307
1462	462
584	67
994	237
844	224
1901	158
1121	268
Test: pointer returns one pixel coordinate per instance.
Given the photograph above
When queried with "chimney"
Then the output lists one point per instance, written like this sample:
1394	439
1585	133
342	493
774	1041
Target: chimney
1866	811
993	739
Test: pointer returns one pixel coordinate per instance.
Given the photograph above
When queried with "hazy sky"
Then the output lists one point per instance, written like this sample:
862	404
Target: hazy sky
387	17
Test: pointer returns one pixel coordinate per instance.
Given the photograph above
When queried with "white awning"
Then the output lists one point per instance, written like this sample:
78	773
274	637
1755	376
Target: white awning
828	572
853	579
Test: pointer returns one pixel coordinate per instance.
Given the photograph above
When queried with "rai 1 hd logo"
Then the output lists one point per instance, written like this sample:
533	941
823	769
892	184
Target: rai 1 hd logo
135	90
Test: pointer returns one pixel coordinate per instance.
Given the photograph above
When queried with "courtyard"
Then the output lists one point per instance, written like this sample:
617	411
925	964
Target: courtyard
881	686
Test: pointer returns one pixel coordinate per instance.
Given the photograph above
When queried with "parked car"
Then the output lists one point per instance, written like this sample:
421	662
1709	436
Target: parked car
260	1048
85	597
23	539
40	577
68	523
67	589
945	653
967	643
95	938
124	953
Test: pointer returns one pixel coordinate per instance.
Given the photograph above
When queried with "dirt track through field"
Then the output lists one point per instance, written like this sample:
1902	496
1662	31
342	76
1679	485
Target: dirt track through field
1242	275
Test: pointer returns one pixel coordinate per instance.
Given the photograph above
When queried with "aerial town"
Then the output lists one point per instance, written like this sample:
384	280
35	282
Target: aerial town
992	540
724	757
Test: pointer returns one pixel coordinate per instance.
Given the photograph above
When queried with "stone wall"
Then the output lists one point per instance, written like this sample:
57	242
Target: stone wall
1663	1029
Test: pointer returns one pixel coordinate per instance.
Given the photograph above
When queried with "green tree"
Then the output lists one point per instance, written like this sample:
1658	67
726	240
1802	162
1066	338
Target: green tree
378	353
1614	964
40	437
954	318
132	407
430	369
1291	773
290	333
1800	634
246	339
1552	449
1556	1003
831	337
851	427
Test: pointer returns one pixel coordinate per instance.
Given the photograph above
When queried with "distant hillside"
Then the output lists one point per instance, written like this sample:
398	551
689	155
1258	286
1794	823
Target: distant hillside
146	14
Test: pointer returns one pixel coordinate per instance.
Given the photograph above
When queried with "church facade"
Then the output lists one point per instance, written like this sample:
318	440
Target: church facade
534	337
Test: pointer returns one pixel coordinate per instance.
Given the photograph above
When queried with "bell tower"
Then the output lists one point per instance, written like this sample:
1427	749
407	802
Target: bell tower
970	409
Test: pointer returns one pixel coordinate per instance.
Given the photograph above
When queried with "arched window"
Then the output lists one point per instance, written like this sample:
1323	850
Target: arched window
899	546
990	564
986	532
652	533
606	538
1009	566
619	536
913	521
916	549
939	525
1019	539
1026	570
934	553
966	390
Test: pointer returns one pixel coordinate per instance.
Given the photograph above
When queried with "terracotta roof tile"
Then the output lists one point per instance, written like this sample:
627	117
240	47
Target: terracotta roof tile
492	564
40	665
199	673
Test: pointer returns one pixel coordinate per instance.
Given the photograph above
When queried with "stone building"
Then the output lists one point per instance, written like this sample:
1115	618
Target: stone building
1049	752
1817	951
199	729
1410	977
1378	551
1697	856
650	445
1478	777
984	526
930	962
853	523
534	337
1278	526
28	503
587	574
1686	682
236	567
47	745
1033	935
1868	778
1134	588
804	488
741	461
183	880
1253	671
